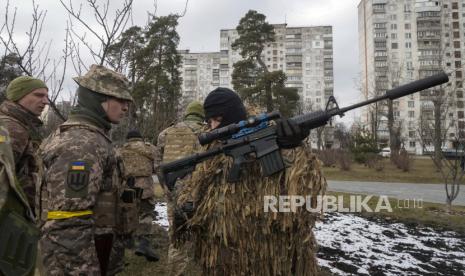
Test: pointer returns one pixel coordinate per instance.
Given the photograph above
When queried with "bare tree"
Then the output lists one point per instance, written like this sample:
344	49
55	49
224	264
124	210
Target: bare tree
33	57
449	163
106	30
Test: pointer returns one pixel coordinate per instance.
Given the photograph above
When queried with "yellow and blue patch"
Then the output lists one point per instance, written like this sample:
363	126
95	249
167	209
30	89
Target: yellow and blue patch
78	166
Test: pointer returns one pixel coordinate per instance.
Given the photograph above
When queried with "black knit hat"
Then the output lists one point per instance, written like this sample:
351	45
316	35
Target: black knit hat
225	103
134	134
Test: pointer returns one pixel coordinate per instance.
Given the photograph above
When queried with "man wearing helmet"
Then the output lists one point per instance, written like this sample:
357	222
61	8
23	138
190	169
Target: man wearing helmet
82	190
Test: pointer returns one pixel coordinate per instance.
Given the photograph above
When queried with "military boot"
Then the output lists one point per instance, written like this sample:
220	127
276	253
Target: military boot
145	249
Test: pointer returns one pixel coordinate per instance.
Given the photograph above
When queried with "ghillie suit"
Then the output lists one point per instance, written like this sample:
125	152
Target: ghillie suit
232	233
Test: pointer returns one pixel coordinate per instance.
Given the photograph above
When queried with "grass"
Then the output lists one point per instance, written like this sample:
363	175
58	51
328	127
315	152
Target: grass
433	215
423	171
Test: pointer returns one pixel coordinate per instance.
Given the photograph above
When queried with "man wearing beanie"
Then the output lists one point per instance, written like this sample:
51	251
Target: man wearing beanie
26	98
232	234
173	143
83	223
138	163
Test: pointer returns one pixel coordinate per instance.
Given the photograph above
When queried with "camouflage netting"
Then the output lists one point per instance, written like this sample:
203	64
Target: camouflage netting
231	232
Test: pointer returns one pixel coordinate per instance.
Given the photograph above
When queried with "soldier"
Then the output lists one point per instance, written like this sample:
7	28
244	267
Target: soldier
173	143
19	233
83	195
232	233
26	99
138	159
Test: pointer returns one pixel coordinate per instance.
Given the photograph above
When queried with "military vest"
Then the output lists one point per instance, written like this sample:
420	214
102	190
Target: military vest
181	140
137	158
19	235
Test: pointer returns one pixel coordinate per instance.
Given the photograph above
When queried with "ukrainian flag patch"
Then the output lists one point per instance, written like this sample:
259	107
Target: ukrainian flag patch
2	138
78	166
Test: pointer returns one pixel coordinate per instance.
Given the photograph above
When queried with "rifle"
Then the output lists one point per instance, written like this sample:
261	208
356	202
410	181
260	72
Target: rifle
256	136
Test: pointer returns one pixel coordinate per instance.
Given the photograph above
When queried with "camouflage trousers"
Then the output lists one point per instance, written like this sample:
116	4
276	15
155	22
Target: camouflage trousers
178	255
71	249
68	248
147	215
116	262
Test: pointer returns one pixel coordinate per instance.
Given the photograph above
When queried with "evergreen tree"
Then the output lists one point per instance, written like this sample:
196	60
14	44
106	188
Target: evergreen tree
251	77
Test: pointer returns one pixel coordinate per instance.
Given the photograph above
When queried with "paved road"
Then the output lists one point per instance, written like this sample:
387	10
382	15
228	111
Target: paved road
427	192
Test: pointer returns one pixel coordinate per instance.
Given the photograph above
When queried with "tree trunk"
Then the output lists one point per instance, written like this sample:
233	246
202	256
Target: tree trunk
393	139
437	139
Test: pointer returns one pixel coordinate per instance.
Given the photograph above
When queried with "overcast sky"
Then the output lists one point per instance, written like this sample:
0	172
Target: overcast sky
200	28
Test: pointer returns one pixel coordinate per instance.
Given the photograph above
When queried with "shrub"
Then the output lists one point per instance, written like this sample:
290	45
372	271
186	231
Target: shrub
344	159
328	157
403	161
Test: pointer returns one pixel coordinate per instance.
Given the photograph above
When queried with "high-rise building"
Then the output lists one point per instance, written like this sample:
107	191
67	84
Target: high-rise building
403	40
200	74
305	54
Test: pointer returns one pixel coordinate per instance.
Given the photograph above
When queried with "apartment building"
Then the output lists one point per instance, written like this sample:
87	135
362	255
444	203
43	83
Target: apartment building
403	40
305	54
200	73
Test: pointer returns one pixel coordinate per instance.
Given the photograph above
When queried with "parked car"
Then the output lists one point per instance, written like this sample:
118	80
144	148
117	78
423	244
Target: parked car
385	152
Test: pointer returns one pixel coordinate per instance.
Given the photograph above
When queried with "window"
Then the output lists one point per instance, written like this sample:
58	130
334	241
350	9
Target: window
394	46
411	104
455	25
408	35
393	26
459	104
408	45
458	74
457	54
411	134
407	26
456	34
411	114
412	144
460	114
455	15
393	36
458	64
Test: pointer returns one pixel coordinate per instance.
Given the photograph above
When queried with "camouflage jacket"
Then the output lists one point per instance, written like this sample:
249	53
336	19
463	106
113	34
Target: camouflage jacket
7	174
25	132
138	161
81	166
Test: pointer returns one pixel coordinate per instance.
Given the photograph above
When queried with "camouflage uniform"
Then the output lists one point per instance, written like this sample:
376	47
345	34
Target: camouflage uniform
16	220
138	159
82	234
25	132
173	143
231	233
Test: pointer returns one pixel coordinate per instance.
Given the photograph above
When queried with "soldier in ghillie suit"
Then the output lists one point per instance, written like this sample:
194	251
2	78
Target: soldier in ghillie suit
26	99
138	159
232	233
176	142
83	190
17	226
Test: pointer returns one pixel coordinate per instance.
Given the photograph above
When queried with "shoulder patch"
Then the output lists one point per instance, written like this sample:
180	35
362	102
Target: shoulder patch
77	180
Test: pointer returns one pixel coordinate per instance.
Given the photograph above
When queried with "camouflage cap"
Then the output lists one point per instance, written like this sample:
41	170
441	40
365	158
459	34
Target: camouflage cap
105	81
